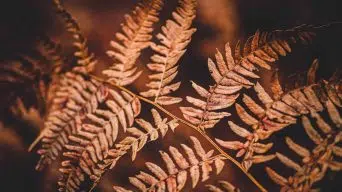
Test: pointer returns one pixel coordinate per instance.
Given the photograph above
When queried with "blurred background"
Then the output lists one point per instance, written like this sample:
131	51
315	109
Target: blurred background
218	22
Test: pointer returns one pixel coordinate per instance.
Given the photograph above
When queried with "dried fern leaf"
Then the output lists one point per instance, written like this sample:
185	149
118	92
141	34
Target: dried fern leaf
52	52
196	161
315	162
93	166
275	114
176	35
135	36
236	73
76	93
27	76
84	96
85	59
25	70
225	186
94	138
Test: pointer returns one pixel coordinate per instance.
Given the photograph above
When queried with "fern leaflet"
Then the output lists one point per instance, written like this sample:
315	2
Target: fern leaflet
136	36
175	37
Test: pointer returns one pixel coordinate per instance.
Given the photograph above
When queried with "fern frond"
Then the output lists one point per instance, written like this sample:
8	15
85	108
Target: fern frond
77	95
139	137
23	69
52	51
94	138
95	161
315	162
234	74
25	75
86	60
83	97
225	186
136	36
175	36
274	115
175	176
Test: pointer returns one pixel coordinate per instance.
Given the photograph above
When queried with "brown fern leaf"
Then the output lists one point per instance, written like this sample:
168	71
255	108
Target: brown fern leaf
96	137
136	36
52	51
94	162
25	76
86	60
15	72
175	36
232	75
84	96
225	186
275	115
177	168
315	162
19	71
77	95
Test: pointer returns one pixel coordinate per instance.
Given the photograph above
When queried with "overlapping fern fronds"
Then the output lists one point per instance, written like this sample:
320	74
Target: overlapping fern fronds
274	115
197	162
315	163
233	74
95	122
94	137
136	139
76	95
32	75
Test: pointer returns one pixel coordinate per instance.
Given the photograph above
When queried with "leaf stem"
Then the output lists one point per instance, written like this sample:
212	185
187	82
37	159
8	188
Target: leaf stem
189	125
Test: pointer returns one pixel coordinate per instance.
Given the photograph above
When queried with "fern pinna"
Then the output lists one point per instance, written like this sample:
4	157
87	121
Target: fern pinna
92	122
224	186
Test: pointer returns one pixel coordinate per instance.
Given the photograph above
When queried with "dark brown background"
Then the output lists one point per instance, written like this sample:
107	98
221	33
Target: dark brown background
219	21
